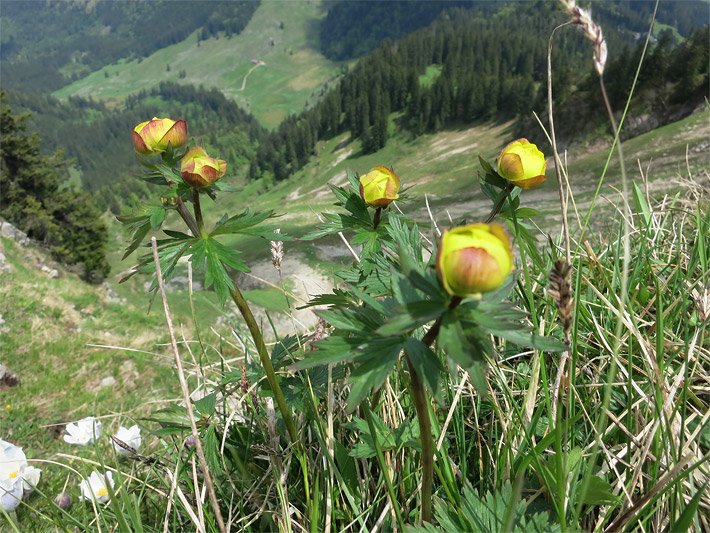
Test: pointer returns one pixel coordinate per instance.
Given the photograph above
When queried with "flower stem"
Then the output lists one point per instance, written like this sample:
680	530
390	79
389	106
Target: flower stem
271	376
420	404
187	217
376	219
501	201
198	210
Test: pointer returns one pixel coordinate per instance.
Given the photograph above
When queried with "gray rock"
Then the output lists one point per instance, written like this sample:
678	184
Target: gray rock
9	231
4	265
109	381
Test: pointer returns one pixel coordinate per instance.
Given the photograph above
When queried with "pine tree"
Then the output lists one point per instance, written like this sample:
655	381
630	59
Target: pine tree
65	221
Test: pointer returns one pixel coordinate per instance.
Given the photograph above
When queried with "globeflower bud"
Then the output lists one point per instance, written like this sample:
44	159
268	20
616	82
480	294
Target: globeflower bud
379	187
474	259
200	170
154	136
522	164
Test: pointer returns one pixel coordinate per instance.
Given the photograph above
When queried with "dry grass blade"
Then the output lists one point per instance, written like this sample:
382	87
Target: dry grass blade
186	393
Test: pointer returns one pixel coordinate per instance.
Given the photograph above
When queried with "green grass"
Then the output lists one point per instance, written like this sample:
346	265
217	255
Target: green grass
432	72
294	69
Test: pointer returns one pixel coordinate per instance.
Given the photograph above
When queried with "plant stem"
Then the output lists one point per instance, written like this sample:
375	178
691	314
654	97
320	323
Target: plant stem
187	217
376	219
271	377
501	201
422	408
198	210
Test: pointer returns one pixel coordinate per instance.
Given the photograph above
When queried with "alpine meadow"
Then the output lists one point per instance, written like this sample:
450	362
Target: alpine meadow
354	266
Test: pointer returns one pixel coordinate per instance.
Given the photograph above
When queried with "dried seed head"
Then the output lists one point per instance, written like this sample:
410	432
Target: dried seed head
561	293
583	19
319	333
701	298
277	252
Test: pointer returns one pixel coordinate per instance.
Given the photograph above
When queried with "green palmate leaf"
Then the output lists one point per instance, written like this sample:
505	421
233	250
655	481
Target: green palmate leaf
526	212
244	222
335	223
497	511
138	235
467	348
339	297
425	362
347	319
332	349
211	445
283	350
177	235
212	257
206	405
353	180
406	434
169	253
485	165
599	492
412	316
157	216
529	340
370	376
140	222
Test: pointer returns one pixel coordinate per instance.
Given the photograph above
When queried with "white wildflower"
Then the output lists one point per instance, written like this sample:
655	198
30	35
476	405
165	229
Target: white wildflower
129	436
94	487
84	432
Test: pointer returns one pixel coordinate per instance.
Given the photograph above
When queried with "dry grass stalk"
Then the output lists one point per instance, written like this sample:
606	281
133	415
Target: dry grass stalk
186	392
561	292
583	19
277	252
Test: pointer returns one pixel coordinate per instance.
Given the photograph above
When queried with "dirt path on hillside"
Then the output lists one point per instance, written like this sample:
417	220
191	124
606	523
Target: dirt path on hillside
246	76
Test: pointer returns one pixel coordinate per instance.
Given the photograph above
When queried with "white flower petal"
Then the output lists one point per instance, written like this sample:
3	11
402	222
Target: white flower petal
83	432
94	487
30	478
130	436
10	494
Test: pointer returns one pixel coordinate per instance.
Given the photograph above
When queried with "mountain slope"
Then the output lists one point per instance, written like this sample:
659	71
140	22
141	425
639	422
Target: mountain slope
272	68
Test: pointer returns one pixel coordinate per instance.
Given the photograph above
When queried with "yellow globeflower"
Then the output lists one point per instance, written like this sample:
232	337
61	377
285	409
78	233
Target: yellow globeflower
154	136
522	164
200	170
379	187
474	259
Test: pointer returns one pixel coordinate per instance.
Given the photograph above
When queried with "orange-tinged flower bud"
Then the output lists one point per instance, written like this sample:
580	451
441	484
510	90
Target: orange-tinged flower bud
379	187
200	170
522	164
154	136
474	259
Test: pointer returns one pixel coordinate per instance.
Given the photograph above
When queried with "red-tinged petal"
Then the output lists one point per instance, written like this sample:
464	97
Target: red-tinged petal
473	270
510	166
529	183
176	135
138	144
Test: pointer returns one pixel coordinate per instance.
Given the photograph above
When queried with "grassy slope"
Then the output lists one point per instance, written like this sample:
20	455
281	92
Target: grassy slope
444	166
294	68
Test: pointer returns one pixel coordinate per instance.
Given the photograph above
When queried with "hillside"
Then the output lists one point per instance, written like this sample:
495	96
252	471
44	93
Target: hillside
272	68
